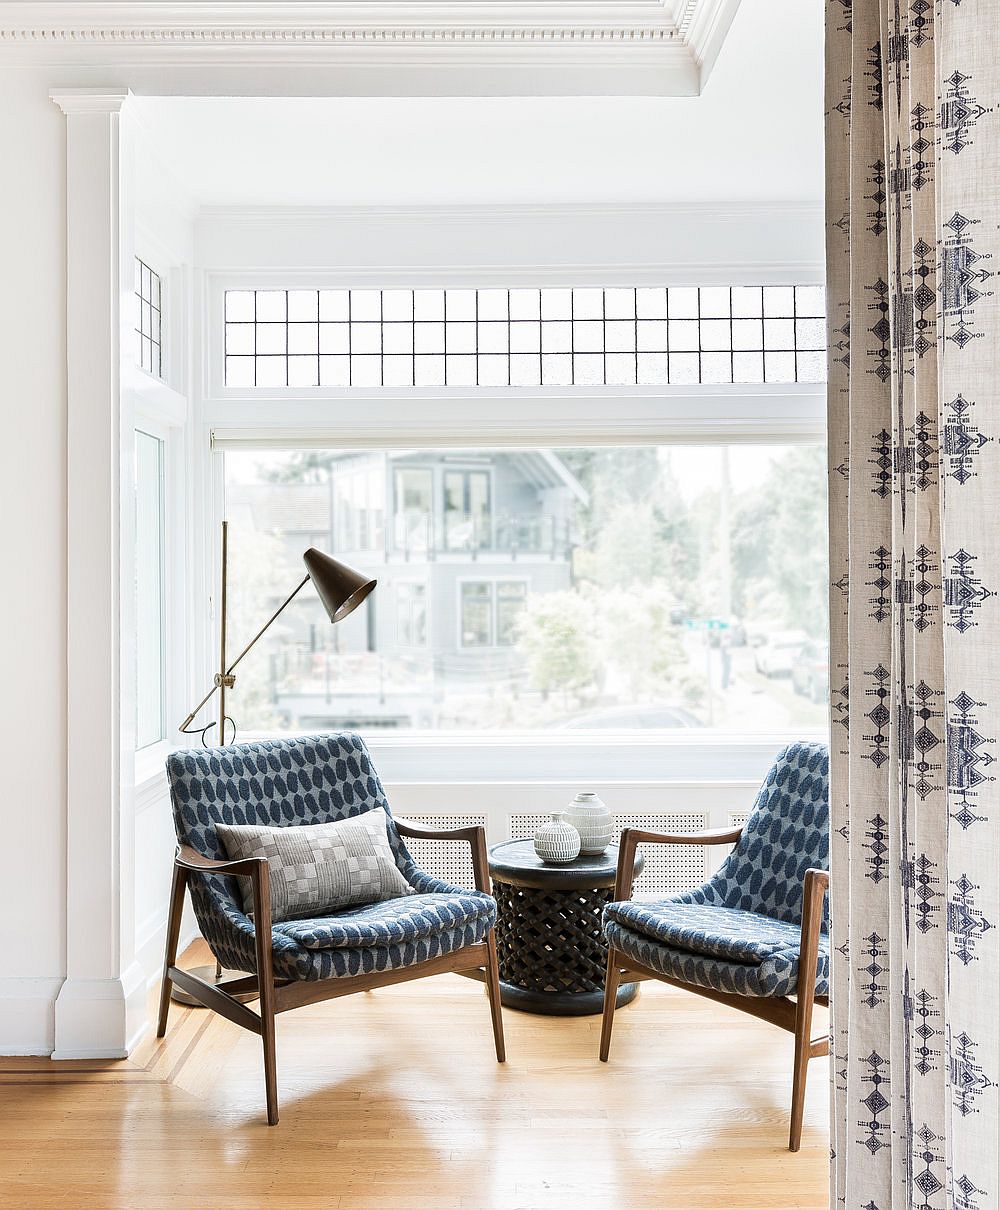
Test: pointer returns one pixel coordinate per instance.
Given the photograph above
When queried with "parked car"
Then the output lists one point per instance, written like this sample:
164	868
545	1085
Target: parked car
628	718
778	654
811	671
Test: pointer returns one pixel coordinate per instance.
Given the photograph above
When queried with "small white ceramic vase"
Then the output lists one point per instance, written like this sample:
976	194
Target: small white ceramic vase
557	841
592	820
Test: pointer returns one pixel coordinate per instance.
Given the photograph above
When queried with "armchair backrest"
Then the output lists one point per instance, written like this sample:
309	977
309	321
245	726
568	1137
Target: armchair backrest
277	783
787	833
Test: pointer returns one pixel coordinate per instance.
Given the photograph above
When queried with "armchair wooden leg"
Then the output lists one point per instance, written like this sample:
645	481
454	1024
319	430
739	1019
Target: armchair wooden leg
493	990
814	890
803	1027
177	887
611	981
265	981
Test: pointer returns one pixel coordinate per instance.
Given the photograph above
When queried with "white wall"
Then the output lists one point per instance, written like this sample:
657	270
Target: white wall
32	603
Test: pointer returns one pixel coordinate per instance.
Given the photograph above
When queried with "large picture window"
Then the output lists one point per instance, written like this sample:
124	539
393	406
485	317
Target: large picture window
547	589
552	336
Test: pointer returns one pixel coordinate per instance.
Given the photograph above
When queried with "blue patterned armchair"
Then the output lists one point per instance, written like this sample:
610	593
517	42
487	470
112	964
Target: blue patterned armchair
308	780
756	933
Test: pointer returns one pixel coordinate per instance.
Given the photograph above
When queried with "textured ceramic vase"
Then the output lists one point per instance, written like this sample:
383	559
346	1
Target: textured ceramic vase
592	819
557	841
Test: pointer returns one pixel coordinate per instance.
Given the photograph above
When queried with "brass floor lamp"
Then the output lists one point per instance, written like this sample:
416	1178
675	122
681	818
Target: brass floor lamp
341	590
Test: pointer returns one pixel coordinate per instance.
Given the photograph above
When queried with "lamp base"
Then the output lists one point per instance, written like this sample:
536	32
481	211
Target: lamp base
208	975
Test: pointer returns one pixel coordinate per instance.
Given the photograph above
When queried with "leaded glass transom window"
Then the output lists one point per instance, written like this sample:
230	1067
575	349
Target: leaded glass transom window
149	327
552	336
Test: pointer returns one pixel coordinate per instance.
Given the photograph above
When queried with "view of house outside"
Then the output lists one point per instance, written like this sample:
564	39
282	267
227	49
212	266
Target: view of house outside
612	588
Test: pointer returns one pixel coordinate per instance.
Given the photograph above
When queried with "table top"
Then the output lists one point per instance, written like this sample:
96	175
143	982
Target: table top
517	863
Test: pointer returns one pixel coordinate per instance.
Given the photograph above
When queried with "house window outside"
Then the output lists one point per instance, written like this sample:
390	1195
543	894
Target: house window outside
413	515
411	614
684	589
149	591
548	336
467	517
149	325
511	597
477	615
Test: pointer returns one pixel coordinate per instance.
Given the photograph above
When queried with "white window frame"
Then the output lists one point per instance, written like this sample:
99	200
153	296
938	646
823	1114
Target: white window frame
413	417
162	412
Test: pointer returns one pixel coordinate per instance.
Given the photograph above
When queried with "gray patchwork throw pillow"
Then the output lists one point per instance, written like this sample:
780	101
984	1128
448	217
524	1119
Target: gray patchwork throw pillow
319	868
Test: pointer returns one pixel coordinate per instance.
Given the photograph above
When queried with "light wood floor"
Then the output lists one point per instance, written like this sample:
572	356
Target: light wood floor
393	1100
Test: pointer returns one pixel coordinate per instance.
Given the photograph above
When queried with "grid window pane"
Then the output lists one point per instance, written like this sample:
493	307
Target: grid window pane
428	305
428	337
397	338
557	303
366	306
461	371
748	302
303	306
494	371
651	303
557	369
428	371
303	371
552	336
525	337
748	367
717	367
652	369
525	370
810	301
272	306
525	304
335	305
335	338
303	338
714	302
619	369
619	304
588	369
148	316
335	371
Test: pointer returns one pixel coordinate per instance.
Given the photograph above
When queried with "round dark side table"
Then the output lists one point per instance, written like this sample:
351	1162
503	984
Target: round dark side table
552	953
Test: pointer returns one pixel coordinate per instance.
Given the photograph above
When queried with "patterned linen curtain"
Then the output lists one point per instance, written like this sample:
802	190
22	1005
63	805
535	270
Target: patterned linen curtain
913	222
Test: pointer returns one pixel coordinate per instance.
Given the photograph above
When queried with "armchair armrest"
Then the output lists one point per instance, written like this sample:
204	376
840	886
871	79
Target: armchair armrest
474	836
814	888
254	868
190	859
631	838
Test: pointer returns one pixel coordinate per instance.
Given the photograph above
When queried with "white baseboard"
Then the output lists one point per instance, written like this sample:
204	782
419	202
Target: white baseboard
27	1015
100	1018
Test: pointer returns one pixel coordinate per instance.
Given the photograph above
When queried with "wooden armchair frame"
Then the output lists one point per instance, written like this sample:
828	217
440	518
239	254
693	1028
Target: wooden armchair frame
477	961
795	1016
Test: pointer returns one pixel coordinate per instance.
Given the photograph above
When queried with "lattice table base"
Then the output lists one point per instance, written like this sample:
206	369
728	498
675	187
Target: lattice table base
551	950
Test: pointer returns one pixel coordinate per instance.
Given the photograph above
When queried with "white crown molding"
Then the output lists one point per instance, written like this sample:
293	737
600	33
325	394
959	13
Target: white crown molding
569	33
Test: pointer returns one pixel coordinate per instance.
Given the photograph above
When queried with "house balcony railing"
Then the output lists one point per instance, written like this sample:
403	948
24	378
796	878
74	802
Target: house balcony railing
419	536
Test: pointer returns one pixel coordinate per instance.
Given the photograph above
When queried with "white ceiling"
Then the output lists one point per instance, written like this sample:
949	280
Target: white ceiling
755	134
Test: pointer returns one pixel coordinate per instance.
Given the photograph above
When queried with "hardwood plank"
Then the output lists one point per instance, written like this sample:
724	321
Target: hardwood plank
401	1091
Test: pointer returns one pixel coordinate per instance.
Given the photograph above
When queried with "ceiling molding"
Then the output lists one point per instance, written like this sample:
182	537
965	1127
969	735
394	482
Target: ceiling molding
678	39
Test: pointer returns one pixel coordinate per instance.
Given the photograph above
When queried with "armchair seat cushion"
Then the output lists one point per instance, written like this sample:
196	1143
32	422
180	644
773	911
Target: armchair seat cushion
744	953
393	921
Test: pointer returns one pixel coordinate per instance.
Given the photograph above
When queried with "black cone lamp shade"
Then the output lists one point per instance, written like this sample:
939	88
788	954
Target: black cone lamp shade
339	587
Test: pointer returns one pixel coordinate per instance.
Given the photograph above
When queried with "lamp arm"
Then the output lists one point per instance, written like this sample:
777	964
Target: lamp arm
183	728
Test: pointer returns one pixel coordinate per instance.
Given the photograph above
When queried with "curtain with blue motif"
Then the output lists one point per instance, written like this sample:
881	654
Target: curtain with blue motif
913	253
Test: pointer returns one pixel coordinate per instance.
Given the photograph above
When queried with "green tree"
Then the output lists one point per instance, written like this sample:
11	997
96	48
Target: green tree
645	648
558	640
